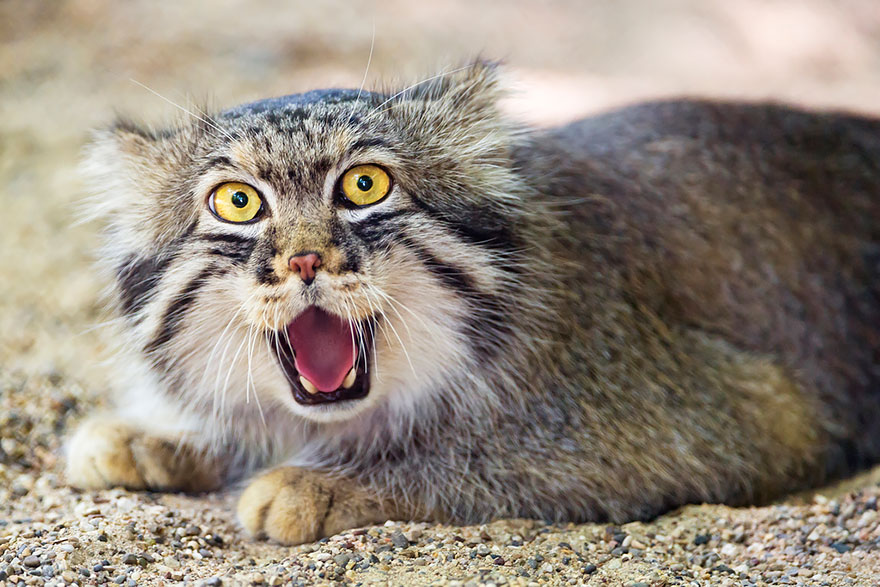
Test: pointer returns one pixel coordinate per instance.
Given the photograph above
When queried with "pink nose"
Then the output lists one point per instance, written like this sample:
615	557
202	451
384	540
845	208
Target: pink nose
305	265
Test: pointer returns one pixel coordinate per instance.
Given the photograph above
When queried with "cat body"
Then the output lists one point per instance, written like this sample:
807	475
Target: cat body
675	302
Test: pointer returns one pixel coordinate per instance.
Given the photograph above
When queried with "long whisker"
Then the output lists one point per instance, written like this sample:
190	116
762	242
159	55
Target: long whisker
366	71
415	85
253	333
176	105
232	366
392	300
356	329
400	340
370	324
219	410
210	358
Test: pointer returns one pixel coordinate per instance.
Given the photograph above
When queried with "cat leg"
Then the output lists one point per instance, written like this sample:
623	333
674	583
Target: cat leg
113	453
293	506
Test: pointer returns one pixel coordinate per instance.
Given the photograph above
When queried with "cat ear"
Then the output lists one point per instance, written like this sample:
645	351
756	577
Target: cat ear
127	142
121	157
122	164
467	93
476	84
457	109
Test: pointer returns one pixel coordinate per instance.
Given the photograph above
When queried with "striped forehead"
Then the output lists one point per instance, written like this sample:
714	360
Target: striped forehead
292	142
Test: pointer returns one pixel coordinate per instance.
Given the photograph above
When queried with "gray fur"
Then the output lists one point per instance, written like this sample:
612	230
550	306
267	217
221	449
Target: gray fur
674	302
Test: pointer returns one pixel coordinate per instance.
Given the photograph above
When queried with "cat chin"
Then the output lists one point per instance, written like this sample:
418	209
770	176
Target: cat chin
340	411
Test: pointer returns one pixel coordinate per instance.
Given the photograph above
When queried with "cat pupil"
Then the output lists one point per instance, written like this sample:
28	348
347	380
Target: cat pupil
364	183
239	199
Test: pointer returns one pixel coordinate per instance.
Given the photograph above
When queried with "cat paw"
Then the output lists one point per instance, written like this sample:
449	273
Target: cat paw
106	453
293	506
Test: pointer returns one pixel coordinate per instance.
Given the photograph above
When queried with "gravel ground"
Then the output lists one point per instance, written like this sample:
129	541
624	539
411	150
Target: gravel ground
51	534
65	67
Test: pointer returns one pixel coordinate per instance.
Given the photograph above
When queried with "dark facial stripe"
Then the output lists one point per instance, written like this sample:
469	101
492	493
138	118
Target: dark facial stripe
368	142
262	256
138	276
237	256
221	161
341	237
488	319
481	227
222	237
179	307
377	227
230	246
137	279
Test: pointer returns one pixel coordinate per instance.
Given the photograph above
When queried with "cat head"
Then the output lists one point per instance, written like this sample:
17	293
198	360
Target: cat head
324	253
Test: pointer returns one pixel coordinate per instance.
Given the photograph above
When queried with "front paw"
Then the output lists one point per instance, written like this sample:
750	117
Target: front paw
293	506
109	453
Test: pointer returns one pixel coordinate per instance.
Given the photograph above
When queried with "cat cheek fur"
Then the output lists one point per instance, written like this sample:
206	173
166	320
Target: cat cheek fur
186	290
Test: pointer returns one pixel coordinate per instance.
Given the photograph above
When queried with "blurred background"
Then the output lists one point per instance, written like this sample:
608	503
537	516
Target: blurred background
67	66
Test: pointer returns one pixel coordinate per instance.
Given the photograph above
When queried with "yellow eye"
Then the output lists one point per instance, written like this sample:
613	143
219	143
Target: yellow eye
235	202
365	184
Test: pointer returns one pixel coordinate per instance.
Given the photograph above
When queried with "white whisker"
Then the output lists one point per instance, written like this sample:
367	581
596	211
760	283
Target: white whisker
176	105
424	81
366	71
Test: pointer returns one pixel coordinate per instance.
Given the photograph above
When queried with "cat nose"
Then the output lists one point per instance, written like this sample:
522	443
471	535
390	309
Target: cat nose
305	264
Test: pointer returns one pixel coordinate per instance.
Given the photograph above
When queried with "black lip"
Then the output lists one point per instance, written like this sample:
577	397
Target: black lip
363	364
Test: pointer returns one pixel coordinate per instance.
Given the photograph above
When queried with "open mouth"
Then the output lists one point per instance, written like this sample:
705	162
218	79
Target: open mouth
323	357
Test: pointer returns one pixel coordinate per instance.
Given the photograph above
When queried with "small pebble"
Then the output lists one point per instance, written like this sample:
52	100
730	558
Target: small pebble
701	539
399	540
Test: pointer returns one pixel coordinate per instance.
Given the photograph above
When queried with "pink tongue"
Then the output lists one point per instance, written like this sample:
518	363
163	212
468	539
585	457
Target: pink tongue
323	346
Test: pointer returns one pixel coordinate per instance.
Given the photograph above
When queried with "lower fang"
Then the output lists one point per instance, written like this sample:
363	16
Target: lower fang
308	385
349	379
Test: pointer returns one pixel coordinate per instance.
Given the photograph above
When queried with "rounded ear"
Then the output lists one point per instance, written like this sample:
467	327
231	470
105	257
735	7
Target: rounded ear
126	162
456	109
476	86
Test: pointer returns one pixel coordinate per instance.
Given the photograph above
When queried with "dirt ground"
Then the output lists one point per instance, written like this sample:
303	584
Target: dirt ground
67	65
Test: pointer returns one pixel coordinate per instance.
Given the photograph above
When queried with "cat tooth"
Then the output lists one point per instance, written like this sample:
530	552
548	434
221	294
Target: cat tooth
349	379
308	385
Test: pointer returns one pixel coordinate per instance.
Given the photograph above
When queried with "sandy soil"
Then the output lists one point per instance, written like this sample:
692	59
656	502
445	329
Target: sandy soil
66	66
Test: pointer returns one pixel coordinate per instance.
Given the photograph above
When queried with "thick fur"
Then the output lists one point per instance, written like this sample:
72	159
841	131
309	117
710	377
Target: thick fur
674	302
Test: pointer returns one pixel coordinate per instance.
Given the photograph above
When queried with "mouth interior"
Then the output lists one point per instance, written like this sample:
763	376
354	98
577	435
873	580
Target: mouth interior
318	352
323	345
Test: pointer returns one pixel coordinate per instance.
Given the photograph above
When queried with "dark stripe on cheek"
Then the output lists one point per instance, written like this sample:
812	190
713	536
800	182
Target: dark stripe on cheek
479	226
237	256
179	307
487	319
378	227
231	246
222	237
137	279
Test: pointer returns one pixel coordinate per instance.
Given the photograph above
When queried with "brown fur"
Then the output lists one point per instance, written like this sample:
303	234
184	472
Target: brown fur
671	303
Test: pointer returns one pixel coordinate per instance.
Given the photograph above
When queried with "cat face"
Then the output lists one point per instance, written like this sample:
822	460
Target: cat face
323	254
